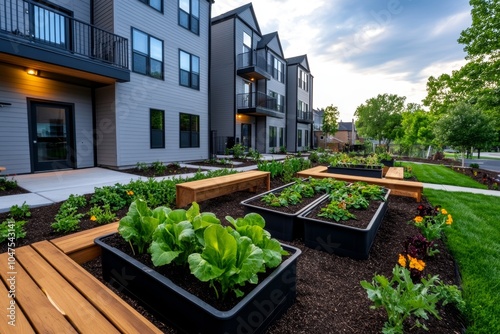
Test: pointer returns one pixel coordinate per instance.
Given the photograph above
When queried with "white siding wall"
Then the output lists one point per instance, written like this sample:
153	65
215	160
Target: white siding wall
135	98
106	127
15	87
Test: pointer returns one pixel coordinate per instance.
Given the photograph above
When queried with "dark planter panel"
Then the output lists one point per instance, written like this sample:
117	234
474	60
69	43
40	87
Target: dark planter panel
281	225
357	171
388	163
341	239
186	312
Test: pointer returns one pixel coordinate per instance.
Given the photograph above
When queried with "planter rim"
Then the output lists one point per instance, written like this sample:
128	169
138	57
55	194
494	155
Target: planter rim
361	167
295	252
304	214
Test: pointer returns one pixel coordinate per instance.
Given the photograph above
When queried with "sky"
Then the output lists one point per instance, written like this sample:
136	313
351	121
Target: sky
358	49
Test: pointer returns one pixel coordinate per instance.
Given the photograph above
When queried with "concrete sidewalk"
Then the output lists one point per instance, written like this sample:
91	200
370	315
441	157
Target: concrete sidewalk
52	187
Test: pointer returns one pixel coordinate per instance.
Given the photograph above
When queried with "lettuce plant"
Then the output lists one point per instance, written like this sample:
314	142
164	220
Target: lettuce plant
226	260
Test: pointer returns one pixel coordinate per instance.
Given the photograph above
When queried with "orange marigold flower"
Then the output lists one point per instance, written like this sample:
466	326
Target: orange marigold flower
93	218
130	192
416	263
449	220
418	219
444	212
402	261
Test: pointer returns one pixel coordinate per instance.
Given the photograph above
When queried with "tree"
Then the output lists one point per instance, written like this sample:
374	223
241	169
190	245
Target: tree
380	117
416	128
330	120
464	127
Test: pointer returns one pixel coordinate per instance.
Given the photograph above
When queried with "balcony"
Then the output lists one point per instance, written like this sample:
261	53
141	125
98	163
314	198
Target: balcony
34	35
259	104
304	116
252	65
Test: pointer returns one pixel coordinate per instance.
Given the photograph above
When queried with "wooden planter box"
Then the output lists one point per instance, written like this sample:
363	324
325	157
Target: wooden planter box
358	170
338	238
188	313
281	225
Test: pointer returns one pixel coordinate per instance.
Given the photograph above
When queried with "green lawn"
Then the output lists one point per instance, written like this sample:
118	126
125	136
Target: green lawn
474	241
438	174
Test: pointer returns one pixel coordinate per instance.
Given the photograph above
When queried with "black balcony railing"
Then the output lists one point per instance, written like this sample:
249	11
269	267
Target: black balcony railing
258	100
252	59
37	23
304	115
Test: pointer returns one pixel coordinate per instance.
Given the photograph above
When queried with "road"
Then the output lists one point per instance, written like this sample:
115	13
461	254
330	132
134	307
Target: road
493	165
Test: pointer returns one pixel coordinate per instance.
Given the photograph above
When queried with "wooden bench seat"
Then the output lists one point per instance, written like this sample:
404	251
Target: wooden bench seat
398	187
80	246
395	173
56	295
200	190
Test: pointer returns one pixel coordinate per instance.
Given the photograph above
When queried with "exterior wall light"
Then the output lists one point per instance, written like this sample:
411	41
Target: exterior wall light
32	71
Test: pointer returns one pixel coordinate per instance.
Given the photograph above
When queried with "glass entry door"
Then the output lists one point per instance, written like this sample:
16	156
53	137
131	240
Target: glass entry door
246	135
51	136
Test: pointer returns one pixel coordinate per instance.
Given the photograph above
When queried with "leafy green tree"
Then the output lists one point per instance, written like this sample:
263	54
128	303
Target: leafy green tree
416	128
464	127
330	120
380	117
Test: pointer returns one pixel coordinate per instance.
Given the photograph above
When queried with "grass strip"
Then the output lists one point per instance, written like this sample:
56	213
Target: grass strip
438	174
473	241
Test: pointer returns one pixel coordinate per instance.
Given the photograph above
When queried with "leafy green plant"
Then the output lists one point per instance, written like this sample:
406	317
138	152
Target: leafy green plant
371	192
138	226
432	221
20	212
227	260
403	299
141	166
254	154
67	218
238	151
275	168
101	215
6	184
117	196
11	230
474	165
158	167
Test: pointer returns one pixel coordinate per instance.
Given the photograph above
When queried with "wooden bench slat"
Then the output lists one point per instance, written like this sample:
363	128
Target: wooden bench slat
80	246
200	190
398	187
83	315
117	311
42	315
395	173
22	325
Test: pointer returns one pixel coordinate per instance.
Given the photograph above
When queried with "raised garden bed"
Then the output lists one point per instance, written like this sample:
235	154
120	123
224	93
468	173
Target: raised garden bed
267	301
340	237
357	170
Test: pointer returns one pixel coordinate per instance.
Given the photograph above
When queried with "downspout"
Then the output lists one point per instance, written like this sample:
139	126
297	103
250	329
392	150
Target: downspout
211	154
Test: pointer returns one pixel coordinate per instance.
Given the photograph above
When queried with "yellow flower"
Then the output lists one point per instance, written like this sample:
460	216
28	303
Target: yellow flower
444	212
130	192
418	219
416	263
449	220
402	261
93	218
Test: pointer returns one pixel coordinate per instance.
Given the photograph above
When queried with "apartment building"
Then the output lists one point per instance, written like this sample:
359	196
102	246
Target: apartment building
250	86
103	83
299	104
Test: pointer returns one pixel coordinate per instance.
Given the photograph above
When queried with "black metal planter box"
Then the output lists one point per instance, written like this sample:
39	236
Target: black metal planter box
281	225
341	239
375	172
188	313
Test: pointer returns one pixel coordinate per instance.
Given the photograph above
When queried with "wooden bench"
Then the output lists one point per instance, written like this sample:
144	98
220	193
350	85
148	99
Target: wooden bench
200	190
80	246
395	173
398	187
53	294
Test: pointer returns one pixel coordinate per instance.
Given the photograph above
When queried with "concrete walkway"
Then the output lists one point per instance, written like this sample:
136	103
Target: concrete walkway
52	187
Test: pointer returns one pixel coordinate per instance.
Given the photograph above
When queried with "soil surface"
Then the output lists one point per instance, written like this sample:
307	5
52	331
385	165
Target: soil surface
329	296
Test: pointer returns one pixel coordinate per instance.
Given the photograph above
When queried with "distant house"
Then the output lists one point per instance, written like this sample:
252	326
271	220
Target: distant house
345	136
103	83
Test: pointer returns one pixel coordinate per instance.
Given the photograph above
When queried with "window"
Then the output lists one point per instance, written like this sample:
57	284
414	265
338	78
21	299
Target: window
189	130
50	27
303	80
157	128
189	70
156	4
278	102
189	15
299	138
282	137
277	68
247	43
272	136
147	54
302	110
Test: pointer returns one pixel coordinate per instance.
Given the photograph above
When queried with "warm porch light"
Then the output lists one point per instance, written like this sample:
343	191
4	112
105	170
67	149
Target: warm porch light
32	71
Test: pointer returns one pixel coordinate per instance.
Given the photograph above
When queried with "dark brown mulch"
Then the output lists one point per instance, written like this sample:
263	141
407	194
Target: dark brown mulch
14	191
170	169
